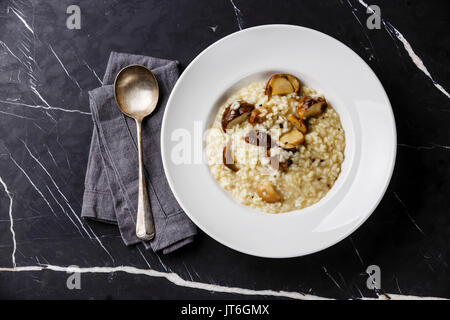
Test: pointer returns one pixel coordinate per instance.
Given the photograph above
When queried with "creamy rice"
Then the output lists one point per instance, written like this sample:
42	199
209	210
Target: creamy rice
315	166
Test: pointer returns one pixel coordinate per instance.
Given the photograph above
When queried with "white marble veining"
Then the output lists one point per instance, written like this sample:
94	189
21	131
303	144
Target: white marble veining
363	28
93	71
10	51
238	14
213	28
33	184
408	214
46	107
19	15
430	147
64	67
177	280
17	115
11	221
88	230
414	57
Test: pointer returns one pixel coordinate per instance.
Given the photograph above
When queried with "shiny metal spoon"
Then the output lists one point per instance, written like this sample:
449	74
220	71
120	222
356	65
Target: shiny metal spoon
136	91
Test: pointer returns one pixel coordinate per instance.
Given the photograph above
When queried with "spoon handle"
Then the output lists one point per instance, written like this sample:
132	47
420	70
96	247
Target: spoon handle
145	228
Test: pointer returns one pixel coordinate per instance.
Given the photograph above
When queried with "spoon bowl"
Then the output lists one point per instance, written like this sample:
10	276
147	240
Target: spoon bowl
136	91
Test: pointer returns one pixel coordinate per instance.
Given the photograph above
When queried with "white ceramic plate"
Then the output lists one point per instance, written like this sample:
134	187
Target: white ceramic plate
349	85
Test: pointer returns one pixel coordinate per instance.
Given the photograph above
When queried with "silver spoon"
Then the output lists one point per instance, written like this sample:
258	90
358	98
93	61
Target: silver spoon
136	91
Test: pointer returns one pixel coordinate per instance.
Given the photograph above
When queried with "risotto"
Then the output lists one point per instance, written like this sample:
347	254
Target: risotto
276	147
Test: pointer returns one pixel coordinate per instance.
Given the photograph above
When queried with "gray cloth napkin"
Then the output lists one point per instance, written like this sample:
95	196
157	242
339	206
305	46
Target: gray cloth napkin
111	183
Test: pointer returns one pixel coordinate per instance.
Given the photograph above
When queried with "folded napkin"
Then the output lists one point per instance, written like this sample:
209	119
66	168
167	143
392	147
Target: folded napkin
111	183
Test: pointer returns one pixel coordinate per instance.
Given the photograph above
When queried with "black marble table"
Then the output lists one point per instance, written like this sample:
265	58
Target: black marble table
45	129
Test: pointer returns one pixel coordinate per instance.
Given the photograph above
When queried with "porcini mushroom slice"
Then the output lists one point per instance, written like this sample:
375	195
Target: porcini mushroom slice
228	159
235	113
309	107
277	165
299	124
283	166
282	84
268	193
259	138
291	139
294	81
255	117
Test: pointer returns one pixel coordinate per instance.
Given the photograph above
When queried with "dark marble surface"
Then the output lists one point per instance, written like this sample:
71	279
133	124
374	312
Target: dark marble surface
46	71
